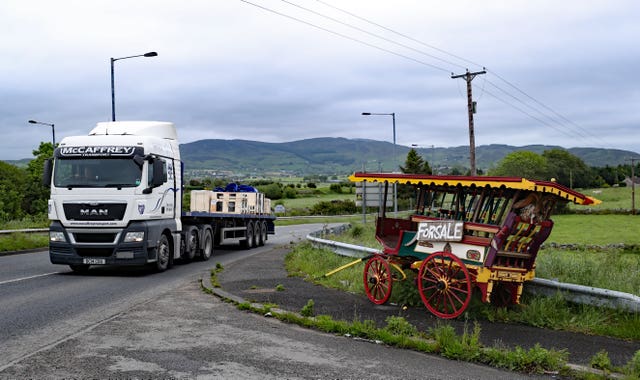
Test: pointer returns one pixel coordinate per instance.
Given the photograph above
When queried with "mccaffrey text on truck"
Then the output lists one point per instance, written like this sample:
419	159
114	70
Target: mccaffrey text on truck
116	199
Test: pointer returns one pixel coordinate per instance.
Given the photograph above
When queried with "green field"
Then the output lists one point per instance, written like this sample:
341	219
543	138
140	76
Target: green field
613	198
595	229
322	194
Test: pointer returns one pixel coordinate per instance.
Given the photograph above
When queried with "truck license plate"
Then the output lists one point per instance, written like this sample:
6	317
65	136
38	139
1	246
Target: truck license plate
94	261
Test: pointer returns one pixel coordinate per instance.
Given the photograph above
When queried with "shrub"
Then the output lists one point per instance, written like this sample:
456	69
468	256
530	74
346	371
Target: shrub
336	188
307	310
335	207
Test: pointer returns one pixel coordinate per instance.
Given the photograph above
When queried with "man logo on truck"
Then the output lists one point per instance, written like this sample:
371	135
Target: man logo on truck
94	212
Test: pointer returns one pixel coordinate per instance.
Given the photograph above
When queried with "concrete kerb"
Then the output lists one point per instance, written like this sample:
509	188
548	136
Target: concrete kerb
205	282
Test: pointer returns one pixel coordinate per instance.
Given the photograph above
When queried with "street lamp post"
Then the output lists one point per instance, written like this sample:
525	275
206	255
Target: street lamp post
113	96
53	131
393	118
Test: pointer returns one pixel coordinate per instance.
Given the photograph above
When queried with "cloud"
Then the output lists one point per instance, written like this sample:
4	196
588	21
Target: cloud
232	70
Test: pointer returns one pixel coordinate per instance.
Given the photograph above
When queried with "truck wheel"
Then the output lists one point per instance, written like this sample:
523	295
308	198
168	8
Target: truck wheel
260	232
207	245
247	243
79	268
163	254
190	245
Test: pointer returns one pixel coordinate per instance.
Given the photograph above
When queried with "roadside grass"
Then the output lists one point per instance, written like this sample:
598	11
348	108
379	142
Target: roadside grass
548	312
39	221
18	241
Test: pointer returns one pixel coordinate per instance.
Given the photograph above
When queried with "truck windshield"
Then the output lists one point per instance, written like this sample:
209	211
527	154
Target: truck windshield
96	172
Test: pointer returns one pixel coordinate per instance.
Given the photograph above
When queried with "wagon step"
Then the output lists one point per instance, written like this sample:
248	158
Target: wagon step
517	255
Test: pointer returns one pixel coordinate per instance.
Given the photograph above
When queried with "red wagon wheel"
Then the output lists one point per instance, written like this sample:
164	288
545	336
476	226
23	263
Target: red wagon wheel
444	284
377	280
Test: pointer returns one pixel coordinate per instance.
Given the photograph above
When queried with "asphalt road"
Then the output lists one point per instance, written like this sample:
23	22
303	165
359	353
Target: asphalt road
42	303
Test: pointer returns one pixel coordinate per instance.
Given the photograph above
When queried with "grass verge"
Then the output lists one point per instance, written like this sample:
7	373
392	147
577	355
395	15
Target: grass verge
552	313
19	241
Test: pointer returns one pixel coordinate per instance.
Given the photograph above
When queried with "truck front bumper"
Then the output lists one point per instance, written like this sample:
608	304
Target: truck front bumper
99	246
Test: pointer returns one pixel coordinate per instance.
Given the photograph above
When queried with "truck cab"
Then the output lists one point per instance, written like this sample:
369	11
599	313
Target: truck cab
116	196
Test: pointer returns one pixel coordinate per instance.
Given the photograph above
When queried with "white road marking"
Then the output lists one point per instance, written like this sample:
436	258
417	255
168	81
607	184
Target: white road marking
28	278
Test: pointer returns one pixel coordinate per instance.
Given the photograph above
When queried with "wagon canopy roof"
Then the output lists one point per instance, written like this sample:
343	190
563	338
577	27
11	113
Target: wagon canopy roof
518	183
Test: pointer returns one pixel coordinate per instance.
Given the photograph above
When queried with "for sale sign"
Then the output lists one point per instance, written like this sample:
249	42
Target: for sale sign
440	230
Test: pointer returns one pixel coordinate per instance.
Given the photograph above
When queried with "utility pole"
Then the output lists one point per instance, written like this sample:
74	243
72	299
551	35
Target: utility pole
468	77
633	185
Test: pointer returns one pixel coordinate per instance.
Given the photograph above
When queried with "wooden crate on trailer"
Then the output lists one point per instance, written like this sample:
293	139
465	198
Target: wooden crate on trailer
200	200
237	203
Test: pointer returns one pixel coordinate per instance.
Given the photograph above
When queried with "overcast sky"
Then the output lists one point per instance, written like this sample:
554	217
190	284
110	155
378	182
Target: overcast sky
558	72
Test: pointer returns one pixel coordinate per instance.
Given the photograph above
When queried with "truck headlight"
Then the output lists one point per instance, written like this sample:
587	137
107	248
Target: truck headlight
57	236
134	237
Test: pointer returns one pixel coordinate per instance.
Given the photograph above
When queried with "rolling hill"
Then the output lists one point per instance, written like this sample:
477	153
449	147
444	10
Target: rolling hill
331	156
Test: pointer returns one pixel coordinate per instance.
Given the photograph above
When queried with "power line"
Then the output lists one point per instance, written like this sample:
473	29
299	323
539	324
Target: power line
371	34
346	37
582	133
579	128
401	34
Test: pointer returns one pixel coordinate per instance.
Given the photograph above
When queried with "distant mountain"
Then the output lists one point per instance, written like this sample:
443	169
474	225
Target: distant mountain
337	156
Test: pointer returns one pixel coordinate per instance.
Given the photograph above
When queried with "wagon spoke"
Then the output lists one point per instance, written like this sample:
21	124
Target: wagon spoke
444	285
377	280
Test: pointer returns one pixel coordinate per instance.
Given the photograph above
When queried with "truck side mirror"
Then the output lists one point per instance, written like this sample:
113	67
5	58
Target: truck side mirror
158	173
159	177
47	172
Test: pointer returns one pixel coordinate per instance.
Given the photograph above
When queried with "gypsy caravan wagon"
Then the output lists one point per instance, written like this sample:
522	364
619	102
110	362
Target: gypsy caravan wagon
465	233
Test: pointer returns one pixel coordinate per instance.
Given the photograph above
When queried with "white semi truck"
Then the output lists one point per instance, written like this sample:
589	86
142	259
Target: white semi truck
116	199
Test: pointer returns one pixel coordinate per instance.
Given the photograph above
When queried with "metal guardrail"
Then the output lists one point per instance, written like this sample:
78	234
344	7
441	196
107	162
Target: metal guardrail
570	292
26	230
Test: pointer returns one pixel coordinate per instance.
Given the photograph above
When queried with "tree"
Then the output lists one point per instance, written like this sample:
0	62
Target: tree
415	164
35	193
567	169
522	164
272	191
12	184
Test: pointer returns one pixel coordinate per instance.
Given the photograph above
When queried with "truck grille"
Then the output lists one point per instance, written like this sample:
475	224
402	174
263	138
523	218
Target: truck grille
94	211
94	252
95	238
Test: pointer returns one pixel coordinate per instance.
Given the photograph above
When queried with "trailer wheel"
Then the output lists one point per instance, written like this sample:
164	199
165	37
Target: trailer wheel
262	237
247	243
163	253
256	235
444	284
207	245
